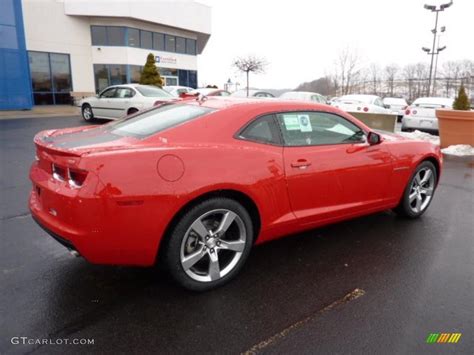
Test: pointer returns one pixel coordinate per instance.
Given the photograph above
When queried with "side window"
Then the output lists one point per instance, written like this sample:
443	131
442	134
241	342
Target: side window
107	94
379	102
223	93
124	93
317	128
263	130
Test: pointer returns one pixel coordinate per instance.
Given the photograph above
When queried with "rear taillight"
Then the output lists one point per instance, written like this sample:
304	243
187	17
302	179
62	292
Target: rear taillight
59	173
74	177
414	112
77	177
366	109
407	111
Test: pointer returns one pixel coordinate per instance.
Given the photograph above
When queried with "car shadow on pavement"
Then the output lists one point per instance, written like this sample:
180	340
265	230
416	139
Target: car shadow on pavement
282	282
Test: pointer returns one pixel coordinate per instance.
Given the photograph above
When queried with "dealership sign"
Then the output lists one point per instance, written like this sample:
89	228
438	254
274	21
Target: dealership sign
165	60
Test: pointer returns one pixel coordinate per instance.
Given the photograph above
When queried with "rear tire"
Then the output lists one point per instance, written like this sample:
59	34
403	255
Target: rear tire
131	111
87	113
209	244
419	191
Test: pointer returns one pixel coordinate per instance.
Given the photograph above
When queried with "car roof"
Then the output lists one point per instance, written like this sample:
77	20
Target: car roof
223	102
435	100
129	86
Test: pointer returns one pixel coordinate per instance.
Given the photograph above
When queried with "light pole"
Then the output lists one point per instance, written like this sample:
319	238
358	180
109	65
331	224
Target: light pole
443	28
433	8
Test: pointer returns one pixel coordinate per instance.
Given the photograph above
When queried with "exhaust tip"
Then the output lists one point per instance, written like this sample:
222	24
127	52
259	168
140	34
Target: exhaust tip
74	253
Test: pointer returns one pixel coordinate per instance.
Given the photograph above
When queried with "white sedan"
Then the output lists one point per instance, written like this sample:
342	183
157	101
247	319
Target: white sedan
361	103
421	114
303	95
119	101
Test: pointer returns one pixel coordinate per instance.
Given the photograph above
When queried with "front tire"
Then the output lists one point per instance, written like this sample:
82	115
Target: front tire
87	113
419	191
209	245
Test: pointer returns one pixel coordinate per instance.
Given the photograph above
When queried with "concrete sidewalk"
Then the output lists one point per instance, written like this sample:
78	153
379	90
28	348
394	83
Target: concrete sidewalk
42	111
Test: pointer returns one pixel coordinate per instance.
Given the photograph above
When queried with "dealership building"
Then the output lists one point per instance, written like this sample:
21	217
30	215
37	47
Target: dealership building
52	48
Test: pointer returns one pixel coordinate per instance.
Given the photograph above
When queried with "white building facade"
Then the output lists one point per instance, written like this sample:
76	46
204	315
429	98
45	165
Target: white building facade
83	46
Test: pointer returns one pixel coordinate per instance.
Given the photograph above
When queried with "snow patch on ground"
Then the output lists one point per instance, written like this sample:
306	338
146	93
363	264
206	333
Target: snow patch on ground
421	135
460	150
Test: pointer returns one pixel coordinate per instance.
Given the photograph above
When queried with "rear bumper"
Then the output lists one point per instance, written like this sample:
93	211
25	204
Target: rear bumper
64	242
421	124
98	223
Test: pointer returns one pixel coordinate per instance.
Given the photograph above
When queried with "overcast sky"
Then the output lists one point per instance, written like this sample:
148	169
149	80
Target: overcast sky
301	39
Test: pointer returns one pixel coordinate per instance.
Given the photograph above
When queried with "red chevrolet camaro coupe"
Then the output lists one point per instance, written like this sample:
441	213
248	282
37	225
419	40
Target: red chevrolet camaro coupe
195	184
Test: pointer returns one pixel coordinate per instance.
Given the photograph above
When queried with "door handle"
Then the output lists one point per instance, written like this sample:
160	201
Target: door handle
301	164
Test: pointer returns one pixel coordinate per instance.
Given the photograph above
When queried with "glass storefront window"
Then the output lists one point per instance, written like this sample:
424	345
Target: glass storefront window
118	74
135	73
190	46
170	43
146	39
180	45
50	78
133	37
115	36
168	72
159	41
101	76
61	72
40	73
99	35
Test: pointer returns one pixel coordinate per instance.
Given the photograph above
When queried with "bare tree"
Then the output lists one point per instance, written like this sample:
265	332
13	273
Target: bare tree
250	64
409	77
347	69
390	73
375	76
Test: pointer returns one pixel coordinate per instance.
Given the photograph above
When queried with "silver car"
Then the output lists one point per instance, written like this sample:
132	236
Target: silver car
421	114
118	101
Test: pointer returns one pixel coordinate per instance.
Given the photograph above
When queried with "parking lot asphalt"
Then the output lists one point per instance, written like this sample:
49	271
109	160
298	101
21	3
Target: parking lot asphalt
404	279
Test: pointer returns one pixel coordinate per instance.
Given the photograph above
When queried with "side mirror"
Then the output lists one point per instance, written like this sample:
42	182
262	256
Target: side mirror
386	106
374	138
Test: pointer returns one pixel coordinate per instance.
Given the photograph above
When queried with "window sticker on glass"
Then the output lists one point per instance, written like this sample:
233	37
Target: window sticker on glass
305	123
291	122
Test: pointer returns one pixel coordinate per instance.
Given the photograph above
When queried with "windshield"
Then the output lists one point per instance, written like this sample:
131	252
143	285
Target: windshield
151	91
156	120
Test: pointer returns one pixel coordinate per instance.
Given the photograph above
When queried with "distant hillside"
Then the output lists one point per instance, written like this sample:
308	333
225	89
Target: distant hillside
322	86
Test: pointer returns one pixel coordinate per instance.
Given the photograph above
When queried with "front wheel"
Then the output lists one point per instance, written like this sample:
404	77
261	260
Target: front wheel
87	113
419	191
210	244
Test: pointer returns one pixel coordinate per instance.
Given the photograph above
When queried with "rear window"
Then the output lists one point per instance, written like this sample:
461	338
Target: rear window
150	91
157	120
